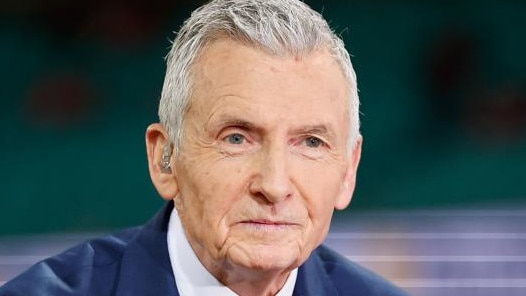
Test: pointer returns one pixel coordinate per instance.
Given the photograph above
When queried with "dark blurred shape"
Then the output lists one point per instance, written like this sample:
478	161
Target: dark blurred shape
64	19
451	70
452	61
468	98
124	23
115	22
498	115
62	99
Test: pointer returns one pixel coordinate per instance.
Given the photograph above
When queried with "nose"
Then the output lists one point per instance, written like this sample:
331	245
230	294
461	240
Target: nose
272	178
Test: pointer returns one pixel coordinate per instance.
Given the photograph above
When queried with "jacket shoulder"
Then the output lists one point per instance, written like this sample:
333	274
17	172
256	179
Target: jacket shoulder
89	268
350	278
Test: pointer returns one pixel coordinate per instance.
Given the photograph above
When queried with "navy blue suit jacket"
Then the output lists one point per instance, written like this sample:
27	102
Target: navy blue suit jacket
136	262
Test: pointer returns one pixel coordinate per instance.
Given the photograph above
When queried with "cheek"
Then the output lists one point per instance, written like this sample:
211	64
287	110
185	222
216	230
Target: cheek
320	182
320	207
319	186
212	189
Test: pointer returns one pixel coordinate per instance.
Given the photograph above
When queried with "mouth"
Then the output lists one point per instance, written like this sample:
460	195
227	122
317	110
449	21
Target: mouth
265	224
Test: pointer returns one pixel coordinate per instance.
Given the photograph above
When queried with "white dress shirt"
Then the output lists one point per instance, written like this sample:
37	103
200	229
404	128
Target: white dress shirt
191	277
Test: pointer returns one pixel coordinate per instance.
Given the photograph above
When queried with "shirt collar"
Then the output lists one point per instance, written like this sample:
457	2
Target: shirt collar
191	276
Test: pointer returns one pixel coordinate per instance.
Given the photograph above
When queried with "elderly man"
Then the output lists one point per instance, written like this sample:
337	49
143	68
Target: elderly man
258	144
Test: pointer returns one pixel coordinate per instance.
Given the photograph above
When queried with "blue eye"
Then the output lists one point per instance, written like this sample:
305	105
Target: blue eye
235	139
313	142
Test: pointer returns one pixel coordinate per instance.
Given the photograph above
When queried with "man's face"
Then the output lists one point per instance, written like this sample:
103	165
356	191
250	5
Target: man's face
264	159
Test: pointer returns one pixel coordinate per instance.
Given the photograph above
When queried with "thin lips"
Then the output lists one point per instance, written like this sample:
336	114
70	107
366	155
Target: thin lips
268	222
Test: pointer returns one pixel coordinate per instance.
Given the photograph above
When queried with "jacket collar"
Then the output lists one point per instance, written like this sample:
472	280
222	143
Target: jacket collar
146	267
313	278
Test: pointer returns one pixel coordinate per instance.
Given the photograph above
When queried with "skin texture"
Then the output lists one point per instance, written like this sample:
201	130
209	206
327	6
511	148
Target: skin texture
263	164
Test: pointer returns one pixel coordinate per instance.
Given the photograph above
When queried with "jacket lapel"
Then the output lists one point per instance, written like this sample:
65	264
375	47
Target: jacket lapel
146	267
313	280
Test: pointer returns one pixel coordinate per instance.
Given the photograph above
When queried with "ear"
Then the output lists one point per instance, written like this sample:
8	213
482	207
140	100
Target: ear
349	182
165	182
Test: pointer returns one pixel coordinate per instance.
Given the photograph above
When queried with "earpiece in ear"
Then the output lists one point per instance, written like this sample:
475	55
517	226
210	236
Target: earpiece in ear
166	167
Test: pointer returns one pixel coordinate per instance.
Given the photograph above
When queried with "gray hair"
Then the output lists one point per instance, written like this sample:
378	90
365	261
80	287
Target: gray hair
278	27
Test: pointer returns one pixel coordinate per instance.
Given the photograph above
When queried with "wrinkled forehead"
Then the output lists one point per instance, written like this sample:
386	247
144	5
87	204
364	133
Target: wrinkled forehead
261	52
295	90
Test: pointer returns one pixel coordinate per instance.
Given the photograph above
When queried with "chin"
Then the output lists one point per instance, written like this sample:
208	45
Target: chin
267	258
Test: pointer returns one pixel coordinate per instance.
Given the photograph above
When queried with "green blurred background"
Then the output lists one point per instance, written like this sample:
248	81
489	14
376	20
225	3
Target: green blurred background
442	86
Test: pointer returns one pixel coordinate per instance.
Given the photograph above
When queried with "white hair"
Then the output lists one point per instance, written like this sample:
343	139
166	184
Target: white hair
278	27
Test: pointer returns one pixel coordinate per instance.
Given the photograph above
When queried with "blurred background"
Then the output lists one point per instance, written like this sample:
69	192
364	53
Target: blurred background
443	94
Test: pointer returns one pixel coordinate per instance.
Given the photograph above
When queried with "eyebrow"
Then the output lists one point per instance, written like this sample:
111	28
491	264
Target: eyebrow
314	129
317	129
224	121
237	122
